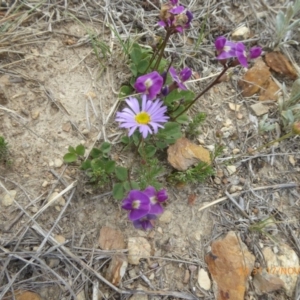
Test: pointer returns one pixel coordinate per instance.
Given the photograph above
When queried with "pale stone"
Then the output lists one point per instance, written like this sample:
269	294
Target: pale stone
259	109
204	280
59	238
116	269
159	229
60	201
138	247
284	265
35	114
9	198
231	169
58	163
241	33
81	295
236	151
166	217
45	183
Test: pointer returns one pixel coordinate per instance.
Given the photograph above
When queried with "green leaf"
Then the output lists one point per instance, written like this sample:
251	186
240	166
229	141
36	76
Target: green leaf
125	140
97	164
80	150
70	157
171	130
125	91
161	144
150	151
131	186
177	95
183	119
143	65
118	191
105	147
121	173
109	166
86	165
136	138
133	69
71	149
96	153
136	53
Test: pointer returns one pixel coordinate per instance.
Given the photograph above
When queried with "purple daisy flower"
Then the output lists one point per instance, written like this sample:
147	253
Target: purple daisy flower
149	84
145	223
241	54
138	203
225	48
183	76
147	119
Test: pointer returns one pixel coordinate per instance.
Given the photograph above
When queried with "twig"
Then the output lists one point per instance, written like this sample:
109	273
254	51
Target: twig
276	186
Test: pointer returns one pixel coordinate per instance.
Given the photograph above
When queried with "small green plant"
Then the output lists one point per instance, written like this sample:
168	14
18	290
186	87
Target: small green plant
4	153
198	173
285	23
265	125
192	129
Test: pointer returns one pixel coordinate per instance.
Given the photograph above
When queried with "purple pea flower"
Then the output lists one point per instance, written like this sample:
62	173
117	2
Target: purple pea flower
145	223
147	118
183	76
255	52
155	199
138	203
241	54
149	84
225	48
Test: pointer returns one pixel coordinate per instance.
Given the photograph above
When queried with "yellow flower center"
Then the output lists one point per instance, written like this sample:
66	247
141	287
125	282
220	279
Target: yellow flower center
148	83
135	204
143	118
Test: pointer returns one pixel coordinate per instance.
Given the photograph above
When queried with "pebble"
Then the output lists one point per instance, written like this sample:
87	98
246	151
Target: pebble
9	198
235	188
217	180
45	183
235	151
159	229
231	169
59	238
259	109
51	164
35	114
166	217
60	201
203	279
138	247
241	33
58	163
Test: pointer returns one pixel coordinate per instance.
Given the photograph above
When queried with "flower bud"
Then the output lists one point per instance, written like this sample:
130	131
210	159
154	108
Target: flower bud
296	128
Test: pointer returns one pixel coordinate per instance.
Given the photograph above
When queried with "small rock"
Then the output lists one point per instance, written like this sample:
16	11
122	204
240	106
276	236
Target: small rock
138	247
217	180
59	201
58	163
132	273
85	131
234	107
116	269
186	278
166	217
235	188
241	33
236	151
198	235
203	280
66	127
51	164
34	209
239	116
111	239
60	238
259	109
45	184
3	96
292	160
159	229
35	114
9	198
231	169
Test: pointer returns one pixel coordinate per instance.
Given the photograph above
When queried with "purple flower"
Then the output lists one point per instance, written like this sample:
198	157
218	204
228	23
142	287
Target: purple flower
145	223
241	54
183	76
149	84
225	48
255	52
147	119
138	203
176	10
155	199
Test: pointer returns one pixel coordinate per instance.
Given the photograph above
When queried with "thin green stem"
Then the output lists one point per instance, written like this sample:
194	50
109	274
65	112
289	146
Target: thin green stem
203	92
162	50
286	136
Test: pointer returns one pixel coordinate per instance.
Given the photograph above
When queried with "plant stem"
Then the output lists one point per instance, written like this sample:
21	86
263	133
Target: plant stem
203	92
162	50
286	136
